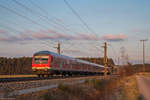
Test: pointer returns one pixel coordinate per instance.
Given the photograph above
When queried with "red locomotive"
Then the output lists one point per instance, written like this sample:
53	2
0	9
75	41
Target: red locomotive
50	63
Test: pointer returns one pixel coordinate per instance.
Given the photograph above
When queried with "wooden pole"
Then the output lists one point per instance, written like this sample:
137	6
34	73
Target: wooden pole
105	59
58	48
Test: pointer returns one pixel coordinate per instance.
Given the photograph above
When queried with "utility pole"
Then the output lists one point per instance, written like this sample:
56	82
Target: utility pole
105	59
58	48
95	60
127	59
123	55
143	54
118	61
118	71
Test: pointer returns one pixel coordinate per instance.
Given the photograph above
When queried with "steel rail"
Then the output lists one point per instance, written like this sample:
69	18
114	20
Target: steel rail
19	79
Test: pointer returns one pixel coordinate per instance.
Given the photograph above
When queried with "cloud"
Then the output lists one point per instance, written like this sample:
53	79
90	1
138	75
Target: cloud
77	52
65	36
41	36
47	35
140	30
25	36
87	37
71	51
10	39
2	39
52	34
114	37
2	31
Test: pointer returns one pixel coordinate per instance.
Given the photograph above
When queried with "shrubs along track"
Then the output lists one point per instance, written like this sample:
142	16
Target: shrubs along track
94	89
91	90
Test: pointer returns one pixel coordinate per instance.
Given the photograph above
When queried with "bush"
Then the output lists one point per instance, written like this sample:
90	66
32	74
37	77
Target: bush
64	87
97	84
48	97
86	81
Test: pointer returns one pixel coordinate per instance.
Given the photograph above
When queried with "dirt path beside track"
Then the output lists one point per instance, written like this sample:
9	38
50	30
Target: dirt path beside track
144	87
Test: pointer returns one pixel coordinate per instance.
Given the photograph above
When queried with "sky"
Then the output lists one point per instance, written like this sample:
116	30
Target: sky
28	26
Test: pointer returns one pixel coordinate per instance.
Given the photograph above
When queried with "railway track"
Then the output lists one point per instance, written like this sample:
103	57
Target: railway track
19	79
17	86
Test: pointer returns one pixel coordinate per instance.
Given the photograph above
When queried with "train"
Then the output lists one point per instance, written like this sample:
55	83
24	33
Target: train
50	63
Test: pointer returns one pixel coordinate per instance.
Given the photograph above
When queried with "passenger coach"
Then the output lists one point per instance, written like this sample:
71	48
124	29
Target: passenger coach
50	63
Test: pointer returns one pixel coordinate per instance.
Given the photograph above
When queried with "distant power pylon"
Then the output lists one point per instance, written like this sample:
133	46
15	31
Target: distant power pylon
143	53
118	61
123	55
127	59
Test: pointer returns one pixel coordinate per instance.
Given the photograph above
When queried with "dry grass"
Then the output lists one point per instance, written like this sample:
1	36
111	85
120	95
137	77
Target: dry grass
91	90
15	76
129	88
94	89
144	74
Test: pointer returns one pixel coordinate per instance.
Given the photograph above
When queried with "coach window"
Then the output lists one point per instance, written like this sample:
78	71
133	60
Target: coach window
55	60
64	62
52	59
67	61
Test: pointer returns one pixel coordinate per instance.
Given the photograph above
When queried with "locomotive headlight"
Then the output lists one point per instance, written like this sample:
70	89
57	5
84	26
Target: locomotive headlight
34	70
45	69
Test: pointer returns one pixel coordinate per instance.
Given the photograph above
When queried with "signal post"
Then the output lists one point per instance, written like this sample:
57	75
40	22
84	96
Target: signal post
58	48
105	59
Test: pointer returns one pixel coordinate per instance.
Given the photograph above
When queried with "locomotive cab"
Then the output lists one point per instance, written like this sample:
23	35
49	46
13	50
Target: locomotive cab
41	63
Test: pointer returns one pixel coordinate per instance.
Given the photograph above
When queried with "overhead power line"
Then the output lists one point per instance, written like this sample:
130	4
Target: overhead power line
79	17
41	16
32	11
28	19
44	11
57	21
116	57
15	30
114	52
5	26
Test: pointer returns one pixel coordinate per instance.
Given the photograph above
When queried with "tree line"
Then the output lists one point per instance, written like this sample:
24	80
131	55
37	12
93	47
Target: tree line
10	66
23	65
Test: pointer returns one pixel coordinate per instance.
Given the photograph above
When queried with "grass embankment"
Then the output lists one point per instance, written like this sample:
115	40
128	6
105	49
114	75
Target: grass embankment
16	76
147	74
106	89
129	88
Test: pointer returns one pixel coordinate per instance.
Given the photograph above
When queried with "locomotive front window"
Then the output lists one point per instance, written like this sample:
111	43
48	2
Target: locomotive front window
41	59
